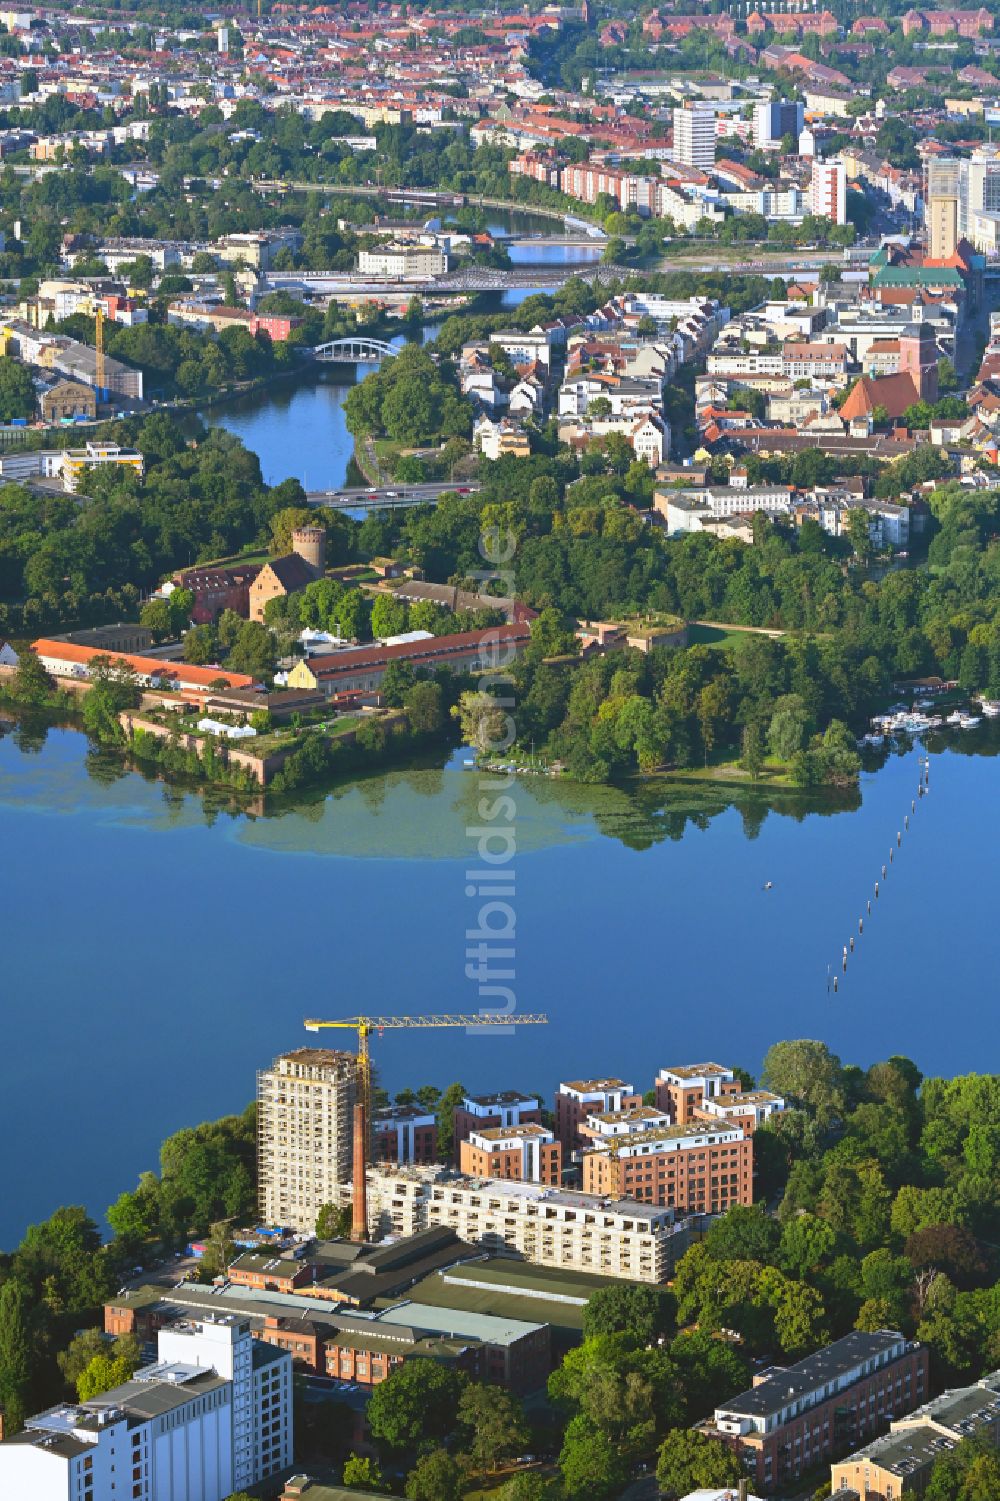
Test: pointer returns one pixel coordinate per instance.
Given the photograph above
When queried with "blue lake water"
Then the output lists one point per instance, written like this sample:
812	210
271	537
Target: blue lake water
156	954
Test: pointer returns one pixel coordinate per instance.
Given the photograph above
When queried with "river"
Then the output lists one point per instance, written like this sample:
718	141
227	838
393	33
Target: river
297	426
156	953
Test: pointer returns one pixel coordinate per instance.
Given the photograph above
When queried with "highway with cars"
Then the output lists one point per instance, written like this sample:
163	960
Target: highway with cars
367	498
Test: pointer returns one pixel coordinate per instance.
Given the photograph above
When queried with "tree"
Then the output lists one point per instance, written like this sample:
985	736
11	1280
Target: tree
417	1401
709	1371
333	1223
689	1460
859	533
424	706
389	616
808	1072
494	1425
362	1472
31	684
435	1477
219	1249
157	617
16	1353
253	650
743	1233
114	687
807	1243
524	1485
135	1215
642	1312
950	1249
79	1353
752	760
201	645
589	1462
17	390
102	1374
444	1110
789	726
483	723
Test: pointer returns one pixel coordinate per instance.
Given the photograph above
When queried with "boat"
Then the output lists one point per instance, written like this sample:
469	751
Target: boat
970	721
990	707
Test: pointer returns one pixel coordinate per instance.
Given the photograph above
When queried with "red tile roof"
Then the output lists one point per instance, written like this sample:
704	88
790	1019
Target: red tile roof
437	649
183	672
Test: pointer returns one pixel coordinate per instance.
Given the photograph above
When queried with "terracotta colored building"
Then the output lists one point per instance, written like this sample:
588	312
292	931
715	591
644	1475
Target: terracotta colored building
795	1418
404	1133
680	1090
578	1098
272	1274
506	1108
528	1154
304	1340
694	1169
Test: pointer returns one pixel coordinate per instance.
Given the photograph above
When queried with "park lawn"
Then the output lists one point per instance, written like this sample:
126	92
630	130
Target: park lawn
710	635
727	772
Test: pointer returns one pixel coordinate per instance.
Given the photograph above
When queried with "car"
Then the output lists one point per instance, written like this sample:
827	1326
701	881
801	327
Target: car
464	490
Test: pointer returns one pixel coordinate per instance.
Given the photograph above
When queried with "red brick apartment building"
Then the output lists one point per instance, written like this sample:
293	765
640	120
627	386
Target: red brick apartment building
404	1133
479	1112
679	1091
578	1098
528	1154
694	1168
795	1418
269	1273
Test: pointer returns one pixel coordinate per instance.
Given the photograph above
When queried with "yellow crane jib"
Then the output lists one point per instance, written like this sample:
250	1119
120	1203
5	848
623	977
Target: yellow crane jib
364	1026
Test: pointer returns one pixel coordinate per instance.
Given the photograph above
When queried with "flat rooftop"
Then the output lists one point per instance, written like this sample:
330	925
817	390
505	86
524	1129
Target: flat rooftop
666	1136
503	1097
696	1070
804	1378
595	1086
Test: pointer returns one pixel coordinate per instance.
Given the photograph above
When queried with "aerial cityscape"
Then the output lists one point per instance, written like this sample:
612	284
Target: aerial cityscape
499	704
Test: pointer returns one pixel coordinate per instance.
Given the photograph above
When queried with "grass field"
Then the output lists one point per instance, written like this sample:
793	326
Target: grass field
711	635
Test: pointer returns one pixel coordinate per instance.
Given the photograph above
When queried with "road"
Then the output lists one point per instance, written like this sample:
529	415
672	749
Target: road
364	498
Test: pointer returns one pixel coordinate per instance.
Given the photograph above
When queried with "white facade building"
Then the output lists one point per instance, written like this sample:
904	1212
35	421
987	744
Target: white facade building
403	261
828	190
212	1416
304	1133
694	134
546	1226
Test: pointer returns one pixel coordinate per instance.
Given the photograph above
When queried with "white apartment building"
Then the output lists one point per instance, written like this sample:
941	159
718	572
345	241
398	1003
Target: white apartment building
524	348
403	262
828	190
213	1415
305	1102
547	1226
734	362
694	133
626	397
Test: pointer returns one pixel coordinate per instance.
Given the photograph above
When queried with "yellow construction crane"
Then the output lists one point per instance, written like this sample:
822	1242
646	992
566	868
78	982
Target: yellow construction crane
364	1026
99	357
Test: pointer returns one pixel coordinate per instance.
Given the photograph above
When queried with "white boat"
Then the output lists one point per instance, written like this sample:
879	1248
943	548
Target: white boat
990	707
970	721
955	717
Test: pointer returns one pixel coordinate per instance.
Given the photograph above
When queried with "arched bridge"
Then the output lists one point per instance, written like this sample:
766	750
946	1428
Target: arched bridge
357	351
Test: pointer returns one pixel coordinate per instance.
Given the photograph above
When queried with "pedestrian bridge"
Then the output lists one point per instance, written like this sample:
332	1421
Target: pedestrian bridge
356	351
